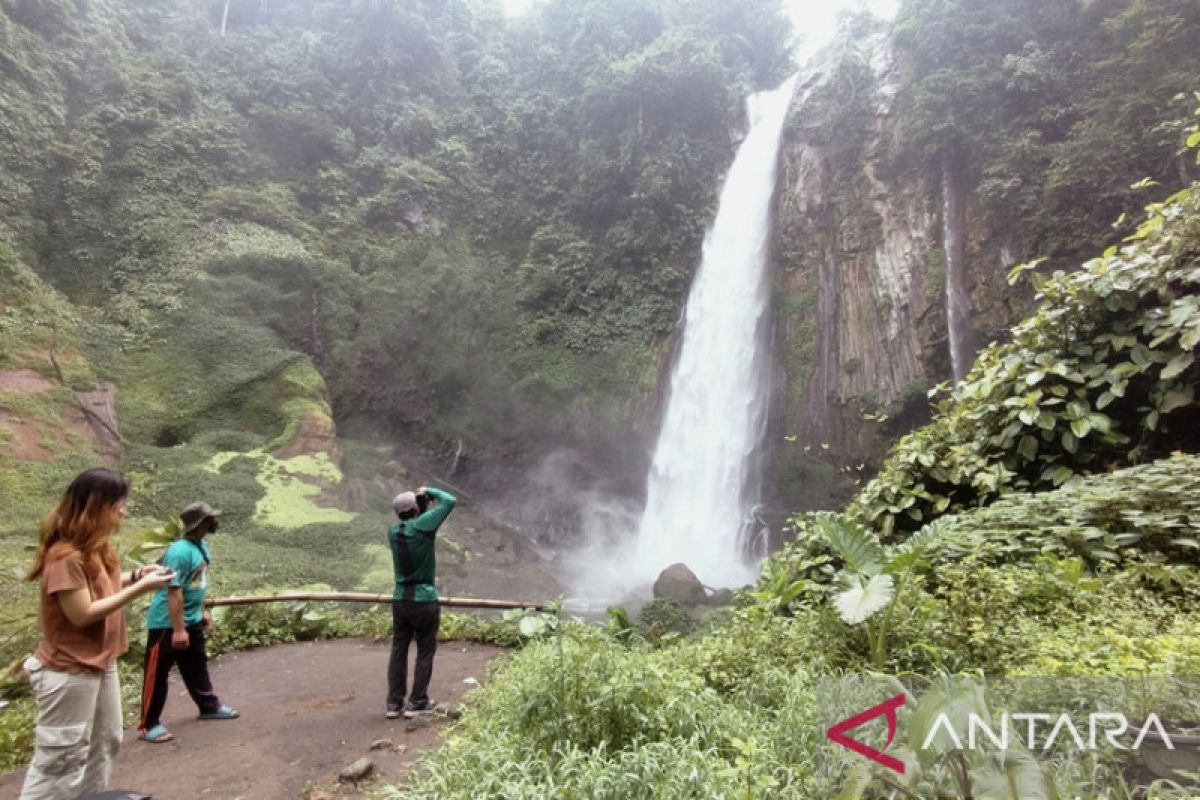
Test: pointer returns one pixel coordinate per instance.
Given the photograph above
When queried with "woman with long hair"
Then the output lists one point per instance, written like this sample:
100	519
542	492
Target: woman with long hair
73	672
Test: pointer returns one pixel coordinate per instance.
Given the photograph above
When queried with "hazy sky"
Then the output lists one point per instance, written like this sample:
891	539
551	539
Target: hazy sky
516	6
816	19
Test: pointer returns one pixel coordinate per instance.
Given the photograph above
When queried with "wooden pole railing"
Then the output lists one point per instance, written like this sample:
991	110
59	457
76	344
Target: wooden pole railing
359	597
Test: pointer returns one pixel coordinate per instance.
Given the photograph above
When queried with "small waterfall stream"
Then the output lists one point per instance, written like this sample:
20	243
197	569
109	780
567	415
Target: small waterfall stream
958	299
704	482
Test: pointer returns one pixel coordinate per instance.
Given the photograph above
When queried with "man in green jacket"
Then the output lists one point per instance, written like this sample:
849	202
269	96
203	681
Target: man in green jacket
416	613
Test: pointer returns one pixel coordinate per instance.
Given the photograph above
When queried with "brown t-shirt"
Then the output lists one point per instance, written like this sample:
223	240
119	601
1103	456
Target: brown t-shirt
65	647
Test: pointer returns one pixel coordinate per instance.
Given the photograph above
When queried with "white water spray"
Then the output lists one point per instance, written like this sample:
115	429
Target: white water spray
958	299
703	486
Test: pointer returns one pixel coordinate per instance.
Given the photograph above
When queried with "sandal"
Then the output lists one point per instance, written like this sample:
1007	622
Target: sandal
224	712
156	735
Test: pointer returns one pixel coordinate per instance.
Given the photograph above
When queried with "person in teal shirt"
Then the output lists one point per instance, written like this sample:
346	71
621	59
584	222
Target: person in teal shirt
177	625
416	613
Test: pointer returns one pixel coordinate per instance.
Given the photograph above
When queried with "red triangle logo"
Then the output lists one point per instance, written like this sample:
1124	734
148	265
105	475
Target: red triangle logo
887	708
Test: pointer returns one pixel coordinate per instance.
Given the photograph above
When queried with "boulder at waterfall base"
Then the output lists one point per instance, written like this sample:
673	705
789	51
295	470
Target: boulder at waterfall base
680	584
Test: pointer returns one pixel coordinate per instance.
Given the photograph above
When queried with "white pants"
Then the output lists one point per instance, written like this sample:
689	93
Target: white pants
78	732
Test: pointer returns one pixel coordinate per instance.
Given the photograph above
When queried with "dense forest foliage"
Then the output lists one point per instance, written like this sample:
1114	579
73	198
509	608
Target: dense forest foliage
463	218
1052	110
460	218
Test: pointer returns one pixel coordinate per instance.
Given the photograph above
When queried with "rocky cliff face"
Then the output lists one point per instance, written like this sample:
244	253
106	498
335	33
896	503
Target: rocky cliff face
861	266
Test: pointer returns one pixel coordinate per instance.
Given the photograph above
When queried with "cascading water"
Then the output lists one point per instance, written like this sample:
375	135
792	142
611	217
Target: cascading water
703	487
958	299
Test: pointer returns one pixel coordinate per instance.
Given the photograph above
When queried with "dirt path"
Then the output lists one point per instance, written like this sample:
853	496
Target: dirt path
308	710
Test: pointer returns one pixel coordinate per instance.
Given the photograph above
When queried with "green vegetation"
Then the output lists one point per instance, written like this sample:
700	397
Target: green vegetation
1090	576
1103	374
466	219
738	712
287	500
1141	518
416	213
424	220
34	409
1051	109
1058	121
1063	582
666	616
581	714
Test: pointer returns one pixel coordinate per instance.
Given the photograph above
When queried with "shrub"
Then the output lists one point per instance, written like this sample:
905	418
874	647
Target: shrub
583	715
1145	514
666	616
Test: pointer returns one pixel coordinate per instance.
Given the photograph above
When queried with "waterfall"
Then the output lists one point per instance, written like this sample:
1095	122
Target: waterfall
704	483
958	300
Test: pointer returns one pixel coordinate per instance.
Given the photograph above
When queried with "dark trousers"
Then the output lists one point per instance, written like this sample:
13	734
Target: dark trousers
193	667
412	620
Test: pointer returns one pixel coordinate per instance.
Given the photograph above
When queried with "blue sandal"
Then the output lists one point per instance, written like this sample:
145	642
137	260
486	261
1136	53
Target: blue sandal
156	735
224	712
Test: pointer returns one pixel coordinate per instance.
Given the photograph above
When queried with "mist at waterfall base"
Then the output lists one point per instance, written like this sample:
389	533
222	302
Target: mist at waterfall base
582	521
704	482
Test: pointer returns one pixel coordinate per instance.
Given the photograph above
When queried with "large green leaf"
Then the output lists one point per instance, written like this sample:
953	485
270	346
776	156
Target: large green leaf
861	601
911	551
1176	399
1012	775
857	547
532	626
1176	366
955	697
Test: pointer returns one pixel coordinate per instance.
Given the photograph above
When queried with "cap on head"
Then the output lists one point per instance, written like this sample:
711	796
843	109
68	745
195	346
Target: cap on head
405	501
195	514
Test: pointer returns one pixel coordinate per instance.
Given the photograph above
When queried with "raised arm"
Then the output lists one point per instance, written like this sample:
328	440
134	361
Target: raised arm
432	519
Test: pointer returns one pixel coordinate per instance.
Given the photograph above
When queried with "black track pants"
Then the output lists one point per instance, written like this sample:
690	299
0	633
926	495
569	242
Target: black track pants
412	620
193	667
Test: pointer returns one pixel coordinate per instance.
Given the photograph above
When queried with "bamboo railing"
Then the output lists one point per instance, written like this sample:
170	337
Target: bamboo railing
360	597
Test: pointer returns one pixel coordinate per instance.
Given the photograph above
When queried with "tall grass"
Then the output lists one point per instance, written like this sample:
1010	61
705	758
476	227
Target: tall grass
728	715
